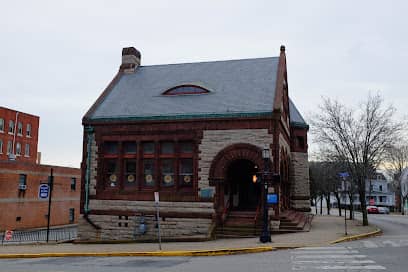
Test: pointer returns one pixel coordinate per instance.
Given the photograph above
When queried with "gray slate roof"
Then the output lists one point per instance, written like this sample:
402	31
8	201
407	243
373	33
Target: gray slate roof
295	117
237	87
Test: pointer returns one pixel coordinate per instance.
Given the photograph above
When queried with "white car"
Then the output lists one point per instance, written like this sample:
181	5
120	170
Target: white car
384	210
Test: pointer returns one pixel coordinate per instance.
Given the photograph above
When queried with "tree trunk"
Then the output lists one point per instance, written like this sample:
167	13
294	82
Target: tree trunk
338	202
363	205
321	204
328	203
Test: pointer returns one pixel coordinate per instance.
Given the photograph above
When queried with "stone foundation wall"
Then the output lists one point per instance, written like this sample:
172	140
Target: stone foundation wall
299	176
215	140
126	227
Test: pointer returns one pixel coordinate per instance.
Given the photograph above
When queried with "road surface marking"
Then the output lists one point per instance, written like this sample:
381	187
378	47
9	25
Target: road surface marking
335	262
369	244
342	267
329	252
332	258
320	248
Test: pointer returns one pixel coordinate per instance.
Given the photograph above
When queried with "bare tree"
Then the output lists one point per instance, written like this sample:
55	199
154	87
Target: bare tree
359	136
397	160
324	181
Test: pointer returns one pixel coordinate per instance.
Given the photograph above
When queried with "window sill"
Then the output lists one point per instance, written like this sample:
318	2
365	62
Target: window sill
26	156
19	135
11	133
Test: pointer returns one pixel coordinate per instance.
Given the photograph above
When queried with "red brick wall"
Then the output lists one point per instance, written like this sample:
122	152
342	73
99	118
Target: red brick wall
23	139
27	205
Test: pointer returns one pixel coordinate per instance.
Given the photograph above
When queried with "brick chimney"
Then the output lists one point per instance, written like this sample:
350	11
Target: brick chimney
130	59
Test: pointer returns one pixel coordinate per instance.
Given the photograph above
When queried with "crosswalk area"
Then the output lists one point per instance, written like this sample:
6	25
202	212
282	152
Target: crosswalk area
331	258
384	242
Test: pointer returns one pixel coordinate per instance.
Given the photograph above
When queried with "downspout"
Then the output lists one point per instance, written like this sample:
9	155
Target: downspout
90	133
89	130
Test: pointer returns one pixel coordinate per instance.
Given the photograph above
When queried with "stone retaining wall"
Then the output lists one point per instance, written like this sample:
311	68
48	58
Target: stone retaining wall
126	227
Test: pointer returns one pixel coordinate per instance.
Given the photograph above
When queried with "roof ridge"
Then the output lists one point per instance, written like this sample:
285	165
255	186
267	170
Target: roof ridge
210	61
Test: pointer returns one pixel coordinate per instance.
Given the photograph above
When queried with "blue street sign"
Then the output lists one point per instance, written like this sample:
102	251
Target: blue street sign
272	198
344	174
43	191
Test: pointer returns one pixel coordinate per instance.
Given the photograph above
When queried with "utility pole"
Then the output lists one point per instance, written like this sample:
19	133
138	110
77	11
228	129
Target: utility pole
50	186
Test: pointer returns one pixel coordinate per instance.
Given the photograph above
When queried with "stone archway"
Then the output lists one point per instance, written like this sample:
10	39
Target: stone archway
222	161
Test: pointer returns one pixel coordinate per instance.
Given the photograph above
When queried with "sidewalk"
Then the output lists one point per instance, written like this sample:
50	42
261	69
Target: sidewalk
325	230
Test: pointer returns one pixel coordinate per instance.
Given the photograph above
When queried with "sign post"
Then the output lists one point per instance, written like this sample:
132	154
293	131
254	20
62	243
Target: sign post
156	201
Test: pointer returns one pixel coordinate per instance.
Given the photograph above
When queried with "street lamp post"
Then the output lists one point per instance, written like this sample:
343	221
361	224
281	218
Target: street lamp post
265	235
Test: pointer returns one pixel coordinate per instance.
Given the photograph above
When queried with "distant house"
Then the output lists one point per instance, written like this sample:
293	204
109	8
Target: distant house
21	176
194	132
379	192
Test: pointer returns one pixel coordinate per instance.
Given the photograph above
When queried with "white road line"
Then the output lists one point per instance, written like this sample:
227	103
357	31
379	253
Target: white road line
327	252
335	262
319	248
348	267
391	243
370	244
329	256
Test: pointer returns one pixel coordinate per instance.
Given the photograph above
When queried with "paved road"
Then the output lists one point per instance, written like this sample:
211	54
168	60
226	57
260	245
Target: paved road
385	253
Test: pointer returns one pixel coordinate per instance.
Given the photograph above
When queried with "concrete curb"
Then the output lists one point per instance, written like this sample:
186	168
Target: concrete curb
357	237
184	253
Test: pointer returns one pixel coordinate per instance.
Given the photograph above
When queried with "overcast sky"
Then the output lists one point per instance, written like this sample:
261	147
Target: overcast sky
56	57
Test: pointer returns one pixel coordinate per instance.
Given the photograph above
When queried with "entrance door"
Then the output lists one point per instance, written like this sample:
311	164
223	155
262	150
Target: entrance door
242	192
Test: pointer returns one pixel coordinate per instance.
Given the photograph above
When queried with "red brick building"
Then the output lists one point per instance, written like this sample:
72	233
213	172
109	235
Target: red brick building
194	132
18	135
21	206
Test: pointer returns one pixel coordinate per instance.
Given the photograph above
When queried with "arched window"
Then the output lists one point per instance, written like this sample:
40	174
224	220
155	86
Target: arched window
186	90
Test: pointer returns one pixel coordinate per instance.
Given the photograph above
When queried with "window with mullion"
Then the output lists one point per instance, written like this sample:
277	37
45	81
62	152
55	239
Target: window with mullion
167	172
111	172
148	172
130	172
186	172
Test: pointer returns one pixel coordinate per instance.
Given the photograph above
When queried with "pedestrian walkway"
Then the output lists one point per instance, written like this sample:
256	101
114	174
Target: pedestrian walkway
325	229
331	258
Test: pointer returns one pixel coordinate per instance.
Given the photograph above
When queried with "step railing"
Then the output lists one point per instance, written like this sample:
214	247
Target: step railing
40	236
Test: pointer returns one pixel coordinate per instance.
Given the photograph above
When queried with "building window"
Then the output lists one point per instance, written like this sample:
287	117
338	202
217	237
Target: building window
167	172
1	146
71	215
19	128
148	148
130	172
186	90
18	149
73	184
380	187
111	167
9	147
167	148
186	172
28	131
148	165
27	150
1	125
148	172
111	148
129	148
11	127
22	180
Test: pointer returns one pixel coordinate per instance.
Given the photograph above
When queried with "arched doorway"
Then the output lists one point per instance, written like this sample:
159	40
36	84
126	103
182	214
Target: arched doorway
240	190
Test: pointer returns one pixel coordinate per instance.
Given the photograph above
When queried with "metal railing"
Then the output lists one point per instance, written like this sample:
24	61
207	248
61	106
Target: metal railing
40	235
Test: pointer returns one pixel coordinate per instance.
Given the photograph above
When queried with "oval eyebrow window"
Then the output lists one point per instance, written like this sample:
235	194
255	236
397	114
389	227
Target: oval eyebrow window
186	89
